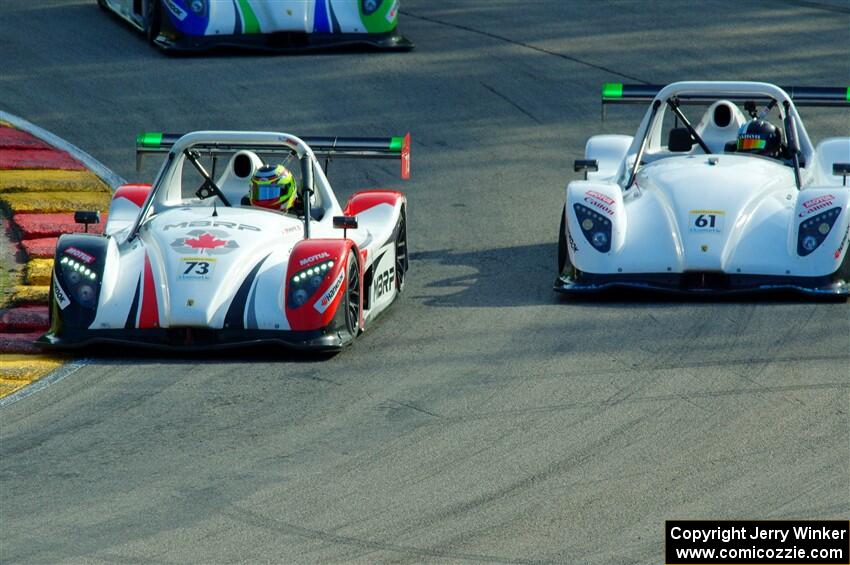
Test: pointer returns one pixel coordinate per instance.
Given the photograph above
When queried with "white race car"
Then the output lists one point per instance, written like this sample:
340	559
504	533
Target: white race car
278	25
189	263
690	207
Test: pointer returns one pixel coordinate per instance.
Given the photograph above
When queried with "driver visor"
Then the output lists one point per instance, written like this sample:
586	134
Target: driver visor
751	143
265	191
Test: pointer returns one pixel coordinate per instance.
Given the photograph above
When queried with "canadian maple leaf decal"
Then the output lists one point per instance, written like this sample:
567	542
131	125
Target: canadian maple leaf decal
205	241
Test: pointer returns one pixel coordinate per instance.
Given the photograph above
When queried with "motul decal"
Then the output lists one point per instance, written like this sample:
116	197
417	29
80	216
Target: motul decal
208	223
330	294
149	315
816	204
313	258
205	242
600	201
81	255
60	294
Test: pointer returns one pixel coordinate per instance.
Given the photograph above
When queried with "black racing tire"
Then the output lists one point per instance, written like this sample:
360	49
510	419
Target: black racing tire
153	19
563	253
402	263
353	294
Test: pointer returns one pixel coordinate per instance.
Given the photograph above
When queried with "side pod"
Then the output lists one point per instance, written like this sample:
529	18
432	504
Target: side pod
316	283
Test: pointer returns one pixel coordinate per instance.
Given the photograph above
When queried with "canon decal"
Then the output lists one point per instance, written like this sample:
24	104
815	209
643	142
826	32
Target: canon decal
815	204
330	294
600	201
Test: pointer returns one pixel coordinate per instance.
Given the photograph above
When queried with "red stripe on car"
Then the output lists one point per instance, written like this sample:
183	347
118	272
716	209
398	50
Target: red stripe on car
149	314
135	193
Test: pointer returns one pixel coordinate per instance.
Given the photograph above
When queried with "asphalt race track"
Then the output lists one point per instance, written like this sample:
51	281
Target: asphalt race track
483	419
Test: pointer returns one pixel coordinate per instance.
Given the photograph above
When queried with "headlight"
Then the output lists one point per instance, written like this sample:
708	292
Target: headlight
595	227
81	279
813	232
306	282
198	6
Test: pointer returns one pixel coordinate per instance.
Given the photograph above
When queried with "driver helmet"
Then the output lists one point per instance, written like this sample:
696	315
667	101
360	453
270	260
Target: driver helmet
273	187
759	137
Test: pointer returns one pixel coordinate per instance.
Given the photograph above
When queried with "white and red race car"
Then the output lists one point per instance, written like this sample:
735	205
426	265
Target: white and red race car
677	207
188	263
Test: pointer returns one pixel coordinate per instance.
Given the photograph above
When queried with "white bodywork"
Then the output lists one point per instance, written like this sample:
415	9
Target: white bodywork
252	237
663	222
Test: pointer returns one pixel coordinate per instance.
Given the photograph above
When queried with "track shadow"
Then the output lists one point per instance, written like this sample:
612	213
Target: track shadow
121	354
524	275
501	277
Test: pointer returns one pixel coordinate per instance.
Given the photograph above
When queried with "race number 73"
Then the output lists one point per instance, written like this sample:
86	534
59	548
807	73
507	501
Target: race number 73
196	268
706	220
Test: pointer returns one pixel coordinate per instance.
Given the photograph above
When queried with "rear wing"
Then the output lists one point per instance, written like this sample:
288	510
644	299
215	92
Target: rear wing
328	147
619	93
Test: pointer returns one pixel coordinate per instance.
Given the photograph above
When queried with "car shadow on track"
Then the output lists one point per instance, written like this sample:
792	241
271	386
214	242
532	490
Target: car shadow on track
500	277
524	276
250	354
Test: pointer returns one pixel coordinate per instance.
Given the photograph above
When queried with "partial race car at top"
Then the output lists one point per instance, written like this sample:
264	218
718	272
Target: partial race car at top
733	202
260	252
276	25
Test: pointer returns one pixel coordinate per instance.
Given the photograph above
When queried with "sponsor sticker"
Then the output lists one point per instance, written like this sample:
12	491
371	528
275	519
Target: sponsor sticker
313	258
706	220
393	12
178	12
572	242
212	224
383	283
205	242
843	243
196	268
81	255
60	294
328	297
813	205
600	201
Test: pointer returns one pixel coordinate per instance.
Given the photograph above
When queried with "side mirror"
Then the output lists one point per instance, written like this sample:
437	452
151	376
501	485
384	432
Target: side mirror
680	140
586	165
87	217
841	169
345	223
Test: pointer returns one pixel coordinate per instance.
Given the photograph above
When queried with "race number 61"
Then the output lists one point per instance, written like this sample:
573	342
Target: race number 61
706	220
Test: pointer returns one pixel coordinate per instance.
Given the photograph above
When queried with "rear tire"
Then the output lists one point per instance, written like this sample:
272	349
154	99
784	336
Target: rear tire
352	296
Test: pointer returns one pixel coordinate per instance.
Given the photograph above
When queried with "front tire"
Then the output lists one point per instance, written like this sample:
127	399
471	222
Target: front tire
401	260
353	301
563	253
153	19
